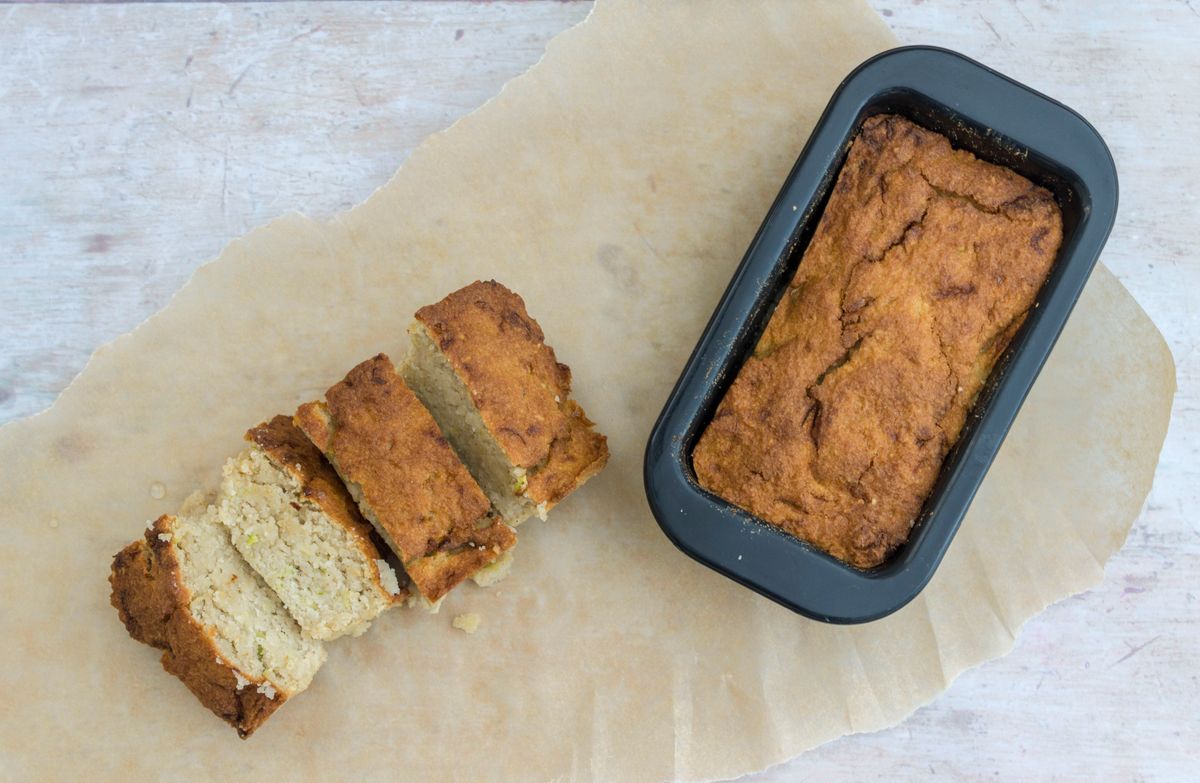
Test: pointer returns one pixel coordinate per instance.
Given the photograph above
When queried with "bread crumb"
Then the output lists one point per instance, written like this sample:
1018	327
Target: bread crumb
494	571
387	577
158	491
53	522
468	622
164	537
242	682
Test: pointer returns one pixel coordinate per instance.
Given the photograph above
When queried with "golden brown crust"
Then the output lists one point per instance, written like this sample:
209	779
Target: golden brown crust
575	456
381	440
149	595
520	389
291	451
922	268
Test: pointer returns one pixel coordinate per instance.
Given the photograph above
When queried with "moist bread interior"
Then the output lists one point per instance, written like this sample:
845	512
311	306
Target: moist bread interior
440	389
246	621
316	566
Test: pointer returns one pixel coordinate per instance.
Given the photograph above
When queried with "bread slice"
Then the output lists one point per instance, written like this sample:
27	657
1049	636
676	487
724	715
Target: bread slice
224	633
481	366
406	479
296	525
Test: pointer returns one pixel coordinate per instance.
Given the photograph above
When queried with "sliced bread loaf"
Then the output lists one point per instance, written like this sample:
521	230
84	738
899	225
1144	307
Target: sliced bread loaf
407	481
481	366
224	633
294	522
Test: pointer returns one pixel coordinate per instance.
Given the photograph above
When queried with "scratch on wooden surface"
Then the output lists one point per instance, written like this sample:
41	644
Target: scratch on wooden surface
1137	650
1016	4
239	78
991	27
308	33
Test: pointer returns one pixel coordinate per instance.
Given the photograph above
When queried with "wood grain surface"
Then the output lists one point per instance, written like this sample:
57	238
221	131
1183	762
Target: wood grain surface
137	140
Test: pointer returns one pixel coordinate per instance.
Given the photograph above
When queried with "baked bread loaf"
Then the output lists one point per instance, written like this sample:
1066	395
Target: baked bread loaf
223	632
922	268
293	521
480	364
407	481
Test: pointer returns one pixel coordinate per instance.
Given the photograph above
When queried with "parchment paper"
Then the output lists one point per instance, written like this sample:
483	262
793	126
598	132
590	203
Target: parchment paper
615	186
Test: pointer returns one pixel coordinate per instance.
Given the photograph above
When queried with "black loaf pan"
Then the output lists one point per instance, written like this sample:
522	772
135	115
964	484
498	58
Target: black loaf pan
999	121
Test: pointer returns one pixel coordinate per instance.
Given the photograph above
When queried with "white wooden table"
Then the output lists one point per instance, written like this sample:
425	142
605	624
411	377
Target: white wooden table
135	141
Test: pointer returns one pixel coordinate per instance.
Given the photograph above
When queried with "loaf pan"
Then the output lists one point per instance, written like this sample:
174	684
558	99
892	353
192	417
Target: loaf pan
999	121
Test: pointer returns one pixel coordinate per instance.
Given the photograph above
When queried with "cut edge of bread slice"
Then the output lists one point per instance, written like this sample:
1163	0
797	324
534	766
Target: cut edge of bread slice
224	633
316	411
455	389
430	375
428	569
292	520
484	367
385	418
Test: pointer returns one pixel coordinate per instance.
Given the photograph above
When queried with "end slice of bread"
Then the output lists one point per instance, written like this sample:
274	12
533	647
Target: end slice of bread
481	366
293	521
405	478
224	633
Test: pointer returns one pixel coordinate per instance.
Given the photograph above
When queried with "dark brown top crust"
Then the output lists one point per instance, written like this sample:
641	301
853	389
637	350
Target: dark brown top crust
291	451
923	266
149	594
519	387
380	439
